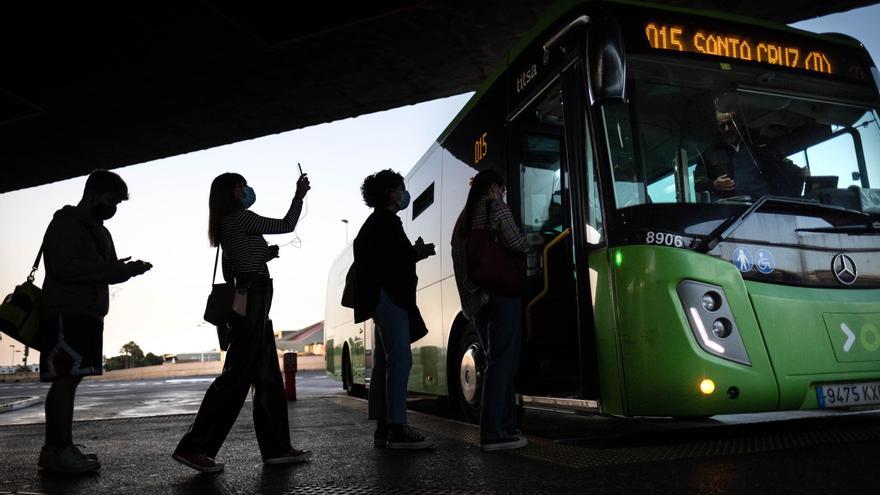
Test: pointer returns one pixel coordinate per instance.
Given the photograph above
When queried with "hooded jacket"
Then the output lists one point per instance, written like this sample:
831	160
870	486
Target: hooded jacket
80	263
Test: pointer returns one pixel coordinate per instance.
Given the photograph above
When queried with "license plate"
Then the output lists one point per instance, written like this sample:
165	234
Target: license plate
848	394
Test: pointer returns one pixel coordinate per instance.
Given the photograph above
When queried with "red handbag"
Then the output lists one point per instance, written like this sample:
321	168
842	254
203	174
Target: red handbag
493	267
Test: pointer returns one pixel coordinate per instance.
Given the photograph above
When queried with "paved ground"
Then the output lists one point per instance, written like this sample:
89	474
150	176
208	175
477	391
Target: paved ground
813	453
123	399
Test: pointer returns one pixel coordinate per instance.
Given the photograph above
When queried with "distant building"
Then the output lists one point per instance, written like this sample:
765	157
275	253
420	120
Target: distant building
192	357
309	340
8	370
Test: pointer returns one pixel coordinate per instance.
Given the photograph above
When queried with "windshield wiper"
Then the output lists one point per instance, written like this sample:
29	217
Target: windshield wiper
728	226
868	228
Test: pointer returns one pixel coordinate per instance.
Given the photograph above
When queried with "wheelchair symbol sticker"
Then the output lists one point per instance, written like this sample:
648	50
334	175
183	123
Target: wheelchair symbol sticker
764	261
742	258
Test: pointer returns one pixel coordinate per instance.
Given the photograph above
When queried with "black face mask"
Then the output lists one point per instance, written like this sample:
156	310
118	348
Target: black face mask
104	212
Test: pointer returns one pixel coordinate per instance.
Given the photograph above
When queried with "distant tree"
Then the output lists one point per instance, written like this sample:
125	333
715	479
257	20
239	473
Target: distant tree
134	354
152	360
116	363
133	350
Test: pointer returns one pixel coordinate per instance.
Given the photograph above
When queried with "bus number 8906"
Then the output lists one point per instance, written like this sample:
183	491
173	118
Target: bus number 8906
664	239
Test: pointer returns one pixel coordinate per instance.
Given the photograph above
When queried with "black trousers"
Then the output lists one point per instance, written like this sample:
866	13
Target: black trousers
251	360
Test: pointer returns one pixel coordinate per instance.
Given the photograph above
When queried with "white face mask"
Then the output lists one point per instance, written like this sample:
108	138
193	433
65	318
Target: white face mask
403	202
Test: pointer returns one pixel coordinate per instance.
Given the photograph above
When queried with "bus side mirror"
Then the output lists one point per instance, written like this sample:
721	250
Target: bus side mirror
606	61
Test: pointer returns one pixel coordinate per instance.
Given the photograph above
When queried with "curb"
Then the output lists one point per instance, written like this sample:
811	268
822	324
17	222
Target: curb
21	403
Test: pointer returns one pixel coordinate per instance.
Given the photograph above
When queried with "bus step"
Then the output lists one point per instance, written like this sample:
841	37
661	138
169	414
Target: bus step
562	403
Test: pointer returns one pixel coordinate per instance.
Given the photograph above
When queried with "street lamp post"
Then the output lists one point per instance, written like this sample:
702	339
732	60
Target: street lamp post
345	221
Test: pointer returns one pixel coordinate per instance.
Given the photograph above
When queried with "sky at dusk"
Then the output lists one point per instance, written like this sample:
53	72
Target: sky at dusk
165	220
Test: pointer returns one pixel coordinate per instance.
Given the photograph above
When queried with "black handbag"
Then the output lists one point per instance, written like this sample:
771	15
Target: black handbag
218	310
493	267
20	311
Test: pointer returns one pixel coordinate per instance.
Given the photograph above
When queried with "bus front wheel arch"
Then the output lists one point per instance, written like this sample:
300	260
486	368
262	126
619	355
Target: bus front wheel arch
351	388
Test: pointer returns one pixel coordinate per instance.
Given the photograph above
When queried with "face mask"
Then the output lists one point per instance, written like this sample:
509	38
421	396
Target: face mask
104	212
403	202
250	197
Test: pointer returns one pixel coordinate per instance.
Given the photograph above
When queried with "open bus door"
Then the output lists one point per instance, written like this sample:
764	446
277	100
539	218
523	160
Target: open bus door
558	332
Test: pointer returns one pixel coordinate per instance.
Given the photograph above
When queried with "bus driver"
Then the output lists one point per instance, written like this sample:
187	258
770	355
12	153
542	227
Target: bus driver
733	167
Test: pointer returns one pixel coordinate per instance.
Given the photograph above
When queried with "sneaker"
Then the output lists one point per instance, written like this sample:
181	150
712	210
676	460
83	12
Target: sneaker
46	455
507	443
380	437
404	437
67	460
291	456
89	456
199	462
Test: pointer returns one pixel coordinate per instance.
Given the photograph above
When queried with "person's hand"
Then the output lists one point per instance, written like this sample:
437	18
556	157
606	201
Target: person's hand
136	267
302	187
723	183
273	252
423	250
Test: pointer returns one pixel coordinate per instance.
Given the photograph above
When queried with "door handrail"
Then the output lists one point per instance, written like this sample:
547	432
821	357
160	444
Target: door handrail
556	240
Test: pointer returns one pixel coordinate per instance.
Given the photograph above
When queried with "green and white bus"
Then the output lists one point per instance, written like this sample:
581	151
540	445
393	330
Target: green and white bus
648	292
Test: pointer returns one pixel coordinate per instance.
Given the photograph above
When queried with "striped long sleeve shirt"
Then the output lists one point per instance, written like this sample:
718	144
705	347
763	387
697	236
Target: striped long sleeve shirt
472	296
245	250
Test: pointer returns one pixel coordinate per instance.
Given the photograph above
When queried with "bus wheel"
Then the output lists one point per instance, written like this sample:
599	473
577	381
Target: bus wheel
471	362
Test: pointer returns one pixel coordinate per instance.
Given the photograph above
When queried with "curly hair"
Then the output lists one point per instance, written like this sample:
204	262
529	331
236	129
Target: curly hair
376	189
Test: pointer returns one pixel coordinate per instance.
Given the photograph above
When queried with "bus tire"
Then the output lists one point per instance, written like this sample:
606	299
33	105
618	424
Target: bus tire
466	384
351	388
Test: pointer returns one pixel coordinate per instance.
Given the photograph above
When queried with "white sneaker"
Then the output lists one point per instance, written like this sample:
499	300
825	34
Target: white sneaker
503	444
292	456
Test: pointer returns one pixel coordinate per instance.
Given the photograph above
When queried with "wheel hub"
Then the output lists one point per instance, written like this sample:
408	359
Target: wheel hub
470	374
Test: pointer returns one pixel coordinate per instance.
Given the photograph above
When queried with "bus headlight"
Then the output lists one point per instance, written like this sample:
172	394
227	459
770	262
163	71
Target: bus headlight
711	321
711	301
721	328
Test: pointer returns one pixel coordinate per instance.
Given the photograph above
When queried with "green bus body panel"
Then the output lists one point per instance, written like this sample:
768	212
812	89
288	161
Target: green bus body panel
662	362
802	330
428	372
611	386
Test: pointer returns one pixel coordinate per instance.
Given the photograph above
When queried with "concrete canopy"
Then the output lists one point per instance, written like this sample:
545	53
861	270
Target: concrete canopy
92	85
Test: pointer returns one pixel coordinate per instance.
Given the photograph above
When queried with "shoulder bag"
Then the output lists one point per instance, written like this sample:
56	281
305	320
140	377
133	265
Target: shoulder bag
490	265
224	304
20	311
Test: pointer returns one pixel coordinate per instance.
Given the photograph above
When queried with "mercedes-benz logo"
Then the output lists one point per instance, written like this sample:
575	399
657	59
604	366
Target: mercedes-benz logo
844	269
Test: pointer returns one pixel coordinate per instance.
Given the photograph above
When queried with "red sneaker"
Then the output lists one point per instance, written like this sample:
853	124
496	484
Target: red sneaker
199	462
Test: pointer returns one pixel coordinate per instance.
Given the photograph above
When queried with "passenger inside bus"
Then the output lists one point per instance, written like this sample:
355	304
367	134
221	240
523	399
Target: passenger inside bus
736	167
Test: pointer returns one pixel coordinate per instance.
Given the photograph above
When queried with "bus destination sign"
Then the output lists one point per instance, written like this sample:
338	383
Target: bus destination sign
736	45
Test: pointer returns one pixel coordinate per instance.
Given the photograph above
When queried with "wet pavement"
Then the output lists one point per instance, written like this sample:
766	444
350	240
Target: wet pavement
812	453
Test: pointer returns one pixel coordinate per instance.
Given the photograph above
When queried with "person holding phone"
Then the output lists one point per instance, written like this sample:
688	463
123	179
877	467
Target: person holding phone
252	358
385	273
81	262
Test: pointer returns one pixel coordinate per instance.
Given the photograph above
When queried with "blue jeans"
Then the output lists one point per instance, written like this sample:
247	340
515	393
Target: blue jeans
392	360
500	325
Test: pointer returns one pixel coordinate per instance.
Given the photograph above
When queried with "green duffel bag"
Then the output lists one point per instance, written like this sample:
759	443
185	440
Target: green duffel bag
20	311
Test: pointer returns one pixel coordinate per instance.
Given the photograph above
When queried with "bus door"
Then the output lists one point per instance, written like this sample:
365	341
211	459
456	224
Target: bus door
540	179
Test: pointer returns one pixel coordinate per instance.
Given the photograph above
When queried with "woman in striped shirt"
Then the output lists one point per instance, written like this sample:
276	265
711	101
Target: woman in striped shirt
252	357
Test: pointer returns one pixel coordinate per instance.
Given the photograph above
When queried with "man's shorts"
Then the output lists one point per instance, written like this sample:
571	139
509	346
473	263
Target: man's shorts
73	347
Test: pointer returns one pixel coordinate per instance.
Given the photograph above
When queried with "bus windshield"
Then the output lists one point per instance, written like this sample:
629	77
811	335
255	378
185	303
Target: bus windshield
692	134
